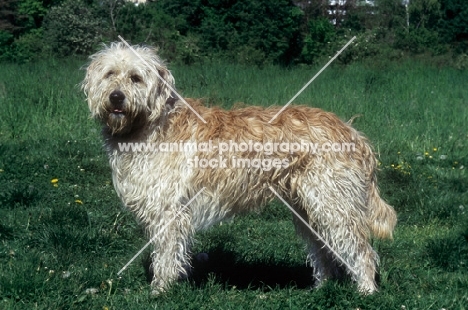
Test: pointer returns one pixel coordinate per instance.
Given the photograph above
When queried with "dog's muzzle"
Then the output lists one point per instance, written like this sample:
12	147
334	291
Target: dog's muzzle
117	99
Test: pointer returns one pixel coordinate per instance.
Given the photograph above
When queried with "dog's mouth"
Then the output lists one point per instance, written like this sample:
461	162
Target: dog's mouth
116	115
118	111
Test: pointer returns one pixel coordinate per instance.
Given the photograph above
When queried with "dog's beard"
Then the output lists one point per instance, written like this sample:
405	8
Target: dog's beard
125	120
124	115
118	123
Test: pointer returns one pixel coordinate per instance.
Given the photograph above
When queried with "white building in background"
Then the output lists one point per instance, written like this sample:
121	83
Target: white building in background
336	2
337	8
368	2
137	2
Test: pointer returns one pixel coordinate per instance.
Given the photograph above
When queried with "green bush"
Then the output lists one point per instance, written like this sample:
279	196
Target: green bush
72	28
248	55
28	47
151	24
271	28
417	40
252	32
453	26
6	39
318	41
134	23
366	45
148	24
461	61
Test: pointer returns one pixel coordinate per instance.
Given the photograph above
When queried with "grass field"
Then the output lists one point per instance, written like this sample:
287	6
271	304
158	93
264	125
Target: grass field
64	234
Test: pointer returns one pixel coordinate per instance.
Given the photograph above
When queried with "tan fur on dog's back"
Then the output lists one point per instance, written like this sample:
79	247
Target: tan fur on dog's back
252	122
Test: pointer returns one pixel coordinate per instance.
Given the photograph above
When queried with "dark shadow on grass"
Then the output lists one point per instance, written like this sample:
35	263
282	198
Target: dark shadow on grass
449	254
16	195
226	269
456	185
6	232
229	271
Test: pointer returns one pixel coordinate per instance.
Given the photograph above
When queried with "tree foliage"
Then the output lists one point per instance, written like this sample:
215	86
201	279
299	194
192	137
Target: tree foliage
244	31
72	28
9	16
424	13
454	24
320	35
263	29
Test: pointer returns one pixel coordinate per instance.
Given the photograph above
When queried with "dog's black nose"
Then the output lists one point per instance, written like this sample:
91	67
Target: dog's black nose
117	97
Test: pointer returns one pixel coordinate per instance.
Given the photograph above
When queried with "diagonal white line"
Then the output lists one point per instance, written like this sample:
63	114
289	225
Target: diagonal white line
311	80
313	231
162	230
167	84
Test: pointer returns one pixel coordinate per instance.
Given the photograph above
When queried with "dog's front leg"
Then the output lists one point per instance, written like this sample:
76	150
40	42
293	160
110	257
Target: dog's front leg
171	234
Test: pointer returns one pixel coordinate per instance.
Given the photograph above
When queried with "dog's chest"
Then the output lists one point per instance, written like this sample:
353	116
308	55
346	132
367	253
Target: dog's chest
141	179
151	183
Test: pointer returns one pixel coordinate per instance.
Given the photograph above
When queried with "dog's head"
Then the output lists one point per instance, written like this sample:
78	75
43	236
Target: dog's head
126	89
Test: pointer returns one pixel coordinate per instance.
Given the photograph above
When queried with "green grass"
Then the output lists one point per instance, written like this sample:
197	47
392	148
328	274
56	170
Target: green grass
60	239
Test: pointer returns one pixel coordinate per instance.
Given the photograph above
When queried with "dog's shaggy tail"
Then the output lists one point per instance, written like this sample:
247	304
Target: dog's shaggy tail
382	217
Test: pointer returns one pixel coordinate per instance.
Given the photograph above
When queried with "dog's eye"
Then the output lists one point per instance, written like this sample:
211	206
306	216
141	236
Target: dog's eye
135	78
109	74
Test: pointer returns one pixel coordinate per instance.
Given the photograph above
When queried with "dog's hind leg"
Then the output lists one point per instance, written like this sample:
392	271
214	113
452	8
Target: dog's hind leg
336	208
318	255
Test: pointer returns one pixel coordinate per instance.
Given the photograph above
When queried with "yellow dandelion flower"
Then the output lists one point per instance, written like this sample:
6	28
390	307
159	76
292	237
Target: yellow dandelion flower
54	181
56	185
79	201
434	149
426	153
1	170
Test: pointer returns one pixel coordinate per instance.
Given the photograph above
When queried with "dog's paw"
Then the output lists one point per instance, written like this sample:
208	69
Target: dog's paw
156	292
157	288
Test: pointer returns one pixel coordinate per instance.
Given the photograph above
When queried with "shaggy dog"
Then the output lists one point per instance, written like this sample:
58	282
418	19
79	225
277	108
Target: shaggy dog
231	170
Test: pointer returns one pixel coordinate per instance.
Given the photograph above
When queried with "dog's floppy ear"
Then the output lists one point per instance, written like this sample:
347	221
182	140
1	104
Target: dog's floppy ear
91	84
162	88
167	82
